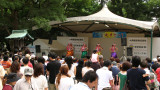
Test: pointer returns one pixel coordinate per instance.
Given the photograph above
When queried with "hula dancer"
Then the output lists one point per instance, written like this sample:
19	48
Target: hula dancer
99	49
84	50
113	51
69	49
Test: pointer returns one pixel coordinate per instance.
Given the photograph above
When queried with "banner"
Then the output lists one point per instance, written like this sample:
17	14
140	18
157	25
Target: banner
97	34
109	34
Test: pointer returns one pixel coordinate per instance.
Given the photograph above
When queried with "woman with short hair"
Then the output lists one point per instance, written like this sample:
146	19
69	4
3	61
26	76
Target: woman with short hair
123	73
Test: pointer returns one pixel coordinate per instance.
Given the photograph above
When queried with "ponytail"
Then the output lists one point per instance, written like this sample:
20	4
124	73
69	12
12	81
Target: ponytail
58	79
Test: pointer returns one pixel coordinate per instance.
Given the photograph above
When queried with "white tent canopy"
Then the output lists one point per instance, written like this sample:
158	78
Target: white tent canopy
104	20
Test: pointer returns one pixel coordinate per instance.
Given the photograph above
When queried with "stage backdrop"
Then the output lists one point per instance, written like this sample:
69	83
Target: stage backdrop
107	42
77	42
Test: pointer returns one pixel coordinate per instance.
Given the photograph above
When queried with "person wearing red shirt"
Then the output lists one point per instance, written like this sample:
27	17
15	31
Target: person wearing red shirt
29	63
12	78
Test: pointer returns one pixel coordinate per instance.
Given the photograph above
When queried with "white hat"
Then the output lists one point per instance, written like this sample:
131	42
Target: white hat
28	71
33	56
154	59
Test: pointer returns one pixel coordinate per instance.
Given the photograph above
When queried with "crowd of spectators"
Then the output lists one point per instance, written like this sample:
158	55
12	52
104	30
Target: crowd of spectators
26	71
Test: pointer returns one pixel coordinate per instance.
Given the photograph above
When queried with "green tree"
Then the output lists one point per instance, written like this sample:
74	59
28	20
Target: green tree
133	9
75	8
154	8
20	14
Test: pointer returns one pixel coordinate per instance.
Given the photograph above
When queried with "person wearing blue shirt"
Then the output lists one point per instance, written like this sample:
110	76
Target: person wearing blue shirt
135	75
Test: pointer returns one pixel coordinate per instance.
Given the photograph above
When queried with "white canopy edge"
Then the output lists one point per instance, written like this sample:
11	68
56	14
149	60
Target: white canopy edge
106	15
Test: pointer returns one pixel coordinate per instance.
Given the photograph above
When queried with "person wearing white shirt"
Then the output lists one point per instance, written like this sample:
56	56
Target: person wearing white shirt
144	66
72	68
95	60
87	68
26	83
89	81
63	79
39	77
25	62
2	73
105	78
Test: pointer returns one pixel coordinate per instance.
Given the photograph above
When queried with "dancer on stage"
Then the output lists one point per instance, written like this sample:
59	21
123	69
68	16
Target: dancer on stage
84	50
70	49
113	51
99	49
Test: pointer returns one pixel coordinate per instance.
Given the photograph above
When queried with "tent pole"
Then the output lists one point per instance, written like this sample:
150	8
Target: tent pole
151	44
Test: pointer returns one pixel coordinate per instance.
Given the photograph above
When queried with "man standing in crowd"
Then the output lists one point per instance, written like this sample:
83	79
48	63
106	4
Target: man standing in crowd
25	63
26	83
29	63
5	63
89	81
135	75
105	78
115	70
53	69
16	53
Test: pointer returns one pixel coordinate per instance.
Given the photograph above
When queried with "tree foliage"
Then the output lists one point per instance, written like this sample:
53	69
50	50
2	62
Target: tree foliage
23	14
20	14
136	9
154	8
75	8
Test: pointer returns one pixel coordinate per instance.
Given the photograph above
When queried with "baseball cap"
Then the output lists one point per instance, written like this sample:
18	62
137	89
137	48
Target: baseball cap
28	71
114	63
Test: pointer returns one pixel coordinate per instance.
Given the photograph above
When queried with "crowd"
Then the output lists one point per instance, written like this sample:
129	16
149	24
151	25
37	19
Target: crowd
25	71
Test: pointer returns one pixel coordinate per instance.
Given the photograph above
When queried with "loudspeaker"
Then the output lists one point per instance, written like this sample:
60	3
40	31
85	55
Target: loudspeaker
50	40
129	51
123	41
38	48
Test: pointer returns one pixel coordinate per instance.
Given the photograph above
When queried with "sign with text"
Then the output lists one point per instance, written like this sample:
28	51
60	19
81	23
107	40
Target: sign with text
77	43
139	46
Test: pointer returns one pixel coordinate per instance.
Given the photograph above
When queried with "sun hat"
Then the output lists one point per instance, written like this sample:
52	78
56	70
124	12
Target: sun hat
12	77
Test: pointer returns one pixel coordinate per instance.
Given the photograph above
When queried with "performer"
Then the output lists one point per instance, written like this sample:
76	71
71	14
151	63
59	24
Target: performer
113	51
69	49
99	49
84	50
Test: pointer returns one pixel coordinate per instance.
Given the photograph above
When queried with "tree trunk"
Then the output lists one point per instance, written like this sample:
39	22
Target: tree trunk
15	19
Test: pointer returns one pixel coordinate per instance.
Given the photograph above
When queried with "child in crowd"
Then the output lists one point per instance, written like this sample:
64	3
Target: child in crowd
144	66
12	78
